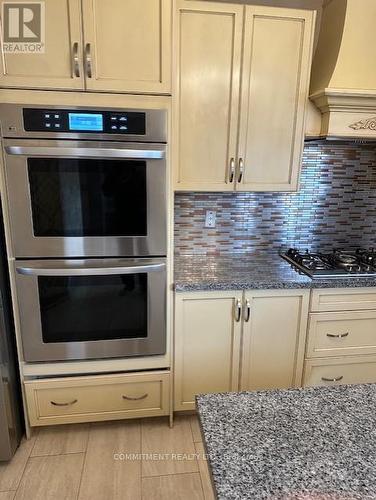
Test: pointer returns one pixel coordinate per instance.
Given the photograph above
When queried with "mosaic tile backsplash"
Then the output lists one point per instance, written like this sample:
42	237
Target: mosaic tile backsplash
335	207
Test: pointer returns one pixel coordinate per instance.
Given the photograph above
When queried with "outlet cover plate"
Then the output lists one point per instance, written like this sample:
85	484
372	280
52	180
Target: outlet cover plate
210	218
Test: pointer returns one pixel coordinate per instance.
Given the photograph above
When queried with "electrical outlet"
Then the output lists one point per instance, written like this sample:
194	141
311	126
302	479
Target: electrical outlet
210	218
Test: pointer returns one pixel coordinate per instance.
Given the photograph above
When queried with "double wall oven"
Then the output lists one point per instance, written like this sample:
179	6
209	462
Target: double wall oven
86	195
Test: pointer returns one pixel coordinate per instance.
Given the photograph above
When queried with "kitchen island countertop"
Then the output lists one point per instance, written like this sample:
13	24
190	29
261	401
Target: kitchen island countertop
313	443
249	272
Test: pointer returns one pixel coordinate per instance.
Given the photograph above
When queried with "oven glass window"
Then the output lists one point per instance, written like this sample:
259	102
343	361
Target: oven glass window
89	308
88	197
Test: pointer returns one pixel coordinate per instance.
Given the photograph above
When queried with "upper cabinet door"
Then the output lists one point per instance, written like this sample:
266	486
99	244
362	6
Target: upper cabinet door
128	45
275	79
208	55
59	66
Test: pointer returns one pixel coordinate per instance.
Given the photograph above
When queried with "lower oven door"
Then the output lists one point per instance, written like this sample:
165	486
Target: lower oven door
91	309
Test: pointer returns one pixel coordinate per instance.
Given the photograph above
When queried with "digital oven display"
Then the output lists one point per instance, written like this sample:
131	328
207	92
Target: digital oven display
89	122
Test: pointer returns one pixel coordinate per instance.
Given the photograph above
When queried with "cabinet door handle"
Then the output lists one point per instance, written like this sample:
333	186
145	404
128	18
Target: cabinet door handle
339	336
76	61
241	170
88	60
335	379
238	310
69	403
247	311
231	170
130	398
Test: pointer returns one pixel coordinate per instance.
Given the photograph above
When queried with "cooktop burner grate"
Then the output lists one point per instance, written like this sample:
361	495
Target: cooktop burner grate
338	263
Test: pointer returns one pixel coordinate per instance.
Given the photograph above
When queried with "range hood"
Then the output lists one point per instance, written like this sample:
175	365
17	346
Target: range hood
343	78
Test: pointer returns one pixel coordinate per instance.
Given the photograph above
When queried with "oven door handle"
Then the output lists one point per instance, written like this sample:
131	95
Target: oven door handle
89	271
80	152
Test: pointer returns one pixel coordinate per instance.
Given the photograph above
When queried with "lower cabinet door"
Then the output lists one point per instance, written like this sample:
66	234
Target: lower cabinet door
336	371
275	323
207	344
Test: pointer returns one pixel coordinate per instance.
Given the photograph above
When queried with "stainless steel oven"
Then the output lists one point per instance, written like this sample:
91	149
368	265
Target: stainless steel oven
94	308
86	196
71	195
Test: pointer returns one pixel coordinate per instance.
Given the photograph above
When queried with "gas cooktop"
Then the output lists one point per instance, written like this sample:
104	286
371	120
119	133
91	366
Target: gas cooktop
336	264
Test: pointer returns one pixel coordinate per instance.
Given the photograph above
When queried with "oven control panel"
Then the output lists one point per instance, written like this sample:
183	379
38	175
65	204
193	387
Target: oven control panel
84	121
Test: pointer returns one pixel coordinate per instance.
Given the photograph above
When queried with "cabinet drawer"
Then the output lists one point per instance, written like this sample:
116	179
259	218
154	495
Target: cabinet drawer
343	299
335	371
106	397
341	333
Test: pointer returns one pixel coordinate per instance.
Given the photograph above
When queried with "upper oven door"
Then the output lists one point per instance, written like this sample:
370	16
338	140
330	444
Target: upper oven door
77	199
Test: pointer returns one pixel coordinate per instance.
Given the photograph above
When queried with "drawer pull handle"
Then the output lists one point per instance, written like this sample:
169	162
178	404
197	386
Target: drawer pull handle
130	398
339	336
335	379
70	403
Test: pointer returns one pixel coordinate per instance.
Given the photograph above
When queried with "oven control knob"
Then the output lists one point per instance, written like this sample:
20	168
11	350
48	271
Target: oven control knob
114	127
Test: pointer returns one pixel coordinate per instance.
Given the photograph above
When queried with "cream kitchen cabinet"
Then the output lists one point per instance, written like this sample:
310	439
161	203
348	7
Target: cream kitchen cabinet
341	343
341	333
229	341
208	39
97	397
207	344
117	46
343	299
250	141
60	66
274	335
338	371
128	45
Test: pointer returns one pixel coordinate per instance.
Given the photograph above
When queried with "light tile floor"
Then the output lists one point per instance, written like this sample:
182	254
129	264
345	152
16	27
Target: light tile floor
128	459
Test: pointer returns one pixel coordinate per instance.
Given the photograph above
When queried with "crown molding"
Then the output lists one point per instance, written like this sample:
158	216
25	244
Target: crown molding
362	101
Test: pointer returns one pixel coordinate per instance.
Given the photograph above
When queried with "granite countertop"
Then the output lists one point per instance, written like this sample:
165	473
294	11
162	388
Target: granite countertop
314	443
247	271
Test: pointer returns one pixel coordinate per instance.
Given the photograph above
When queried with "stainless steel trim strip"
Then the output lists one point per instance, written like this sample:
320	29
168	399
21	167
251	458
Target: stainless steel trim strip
85	152
89	271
